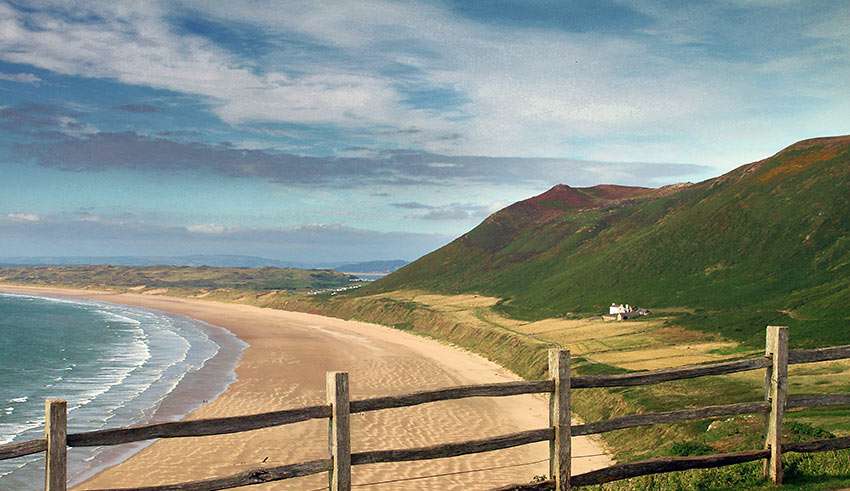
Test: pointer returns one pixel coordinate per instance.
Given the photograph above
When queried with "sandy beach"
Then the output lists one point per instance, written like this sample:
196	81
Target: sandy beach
284	367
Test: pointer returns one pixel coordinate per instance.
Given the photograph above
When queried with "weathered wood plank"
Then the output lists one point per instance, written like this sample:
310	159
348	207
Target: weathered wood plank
777	348
484	390
821	354
198	427
618	472
560	448
453	449
668	374
20	449
826	445
635	420
236	424
339	432
656	466
255	476
55	433
671	464
817	400
531	486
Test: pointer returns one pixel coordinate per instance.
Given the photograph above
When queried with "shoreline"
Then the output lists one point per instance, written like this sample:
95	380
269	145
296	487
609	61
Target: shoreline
193	388
283	367
182	400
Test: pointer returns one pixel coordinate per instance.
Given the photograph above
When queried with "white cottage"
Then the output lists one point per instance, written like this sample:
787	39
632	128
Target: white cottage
615	309
621	312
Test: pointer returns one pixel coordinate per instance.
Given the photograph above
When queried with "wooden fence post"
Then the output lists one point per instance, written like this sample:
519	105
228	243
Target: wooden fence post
776	391
559	419
56	456
339	432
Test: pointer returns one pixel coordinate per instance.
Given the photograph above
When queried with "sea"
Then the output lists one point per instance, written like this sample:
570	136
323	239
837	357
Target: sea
115	366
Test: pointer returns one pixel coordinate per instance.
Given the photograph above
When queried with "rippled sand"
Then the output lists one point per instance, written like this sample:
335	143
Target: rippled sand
284	367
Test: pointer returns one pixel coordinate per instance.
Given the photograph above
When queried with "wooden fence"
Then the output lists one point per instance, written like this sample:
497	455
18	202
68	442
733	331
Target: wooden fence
339	408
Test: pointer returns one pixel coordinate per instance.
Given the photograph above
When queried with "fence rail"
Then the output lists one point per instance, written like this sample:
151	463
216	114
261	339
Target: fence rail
339	408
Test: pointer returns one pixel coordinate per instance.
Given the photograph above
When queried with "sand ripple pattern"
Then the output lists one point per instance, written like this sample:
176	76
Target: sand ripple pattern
285	366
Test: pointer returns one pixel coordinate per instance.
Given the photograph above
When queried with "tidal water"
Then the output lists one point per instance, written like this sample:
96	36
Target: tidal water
114	365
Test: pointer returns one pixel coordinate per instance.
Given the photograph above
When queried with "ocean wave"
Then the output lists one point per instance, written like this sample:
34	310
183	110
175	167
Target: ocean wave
114	316
124	383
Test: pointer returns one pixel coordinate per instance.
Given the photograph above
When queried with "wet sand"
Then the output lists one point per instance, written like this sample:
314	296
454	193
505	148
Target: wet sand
284	367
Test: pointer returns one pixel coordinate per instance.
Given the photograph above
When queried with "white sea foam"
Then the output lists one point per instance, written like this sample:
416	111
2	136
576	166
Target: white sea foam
123	383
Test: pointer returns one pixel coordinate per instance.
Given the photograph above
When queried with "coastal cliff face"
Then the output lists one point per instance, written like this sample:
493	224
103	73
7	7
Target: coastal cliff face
770	238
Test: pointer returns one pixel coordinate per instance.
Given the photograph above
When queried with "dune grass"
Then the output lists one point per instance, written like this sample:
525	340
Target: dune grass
188	278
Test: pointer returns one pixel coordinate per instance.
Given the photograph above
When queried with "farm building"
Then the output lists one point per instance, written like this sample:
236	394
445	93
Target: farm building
622	312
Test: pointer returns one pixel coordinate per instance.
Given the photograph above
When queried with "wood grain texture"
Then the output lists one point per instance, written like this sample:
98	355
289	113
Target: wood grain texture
614	473
816	400
255	476
826	445
821	354
670	417
668	374
236	424
339	432
654	466
198	427
560	449
777	348
671	464
559	385
20	449
55	433
531	486
453	449
484	390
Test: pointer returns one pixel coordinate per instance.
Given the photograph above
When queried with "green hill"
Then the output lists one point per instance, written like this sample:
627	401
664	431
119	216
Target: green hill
146	278
766	242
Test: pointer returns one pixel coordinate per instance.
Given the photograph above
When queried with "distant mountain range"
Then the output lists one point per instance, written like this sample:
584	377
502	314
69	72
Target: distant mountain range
766	242
230	261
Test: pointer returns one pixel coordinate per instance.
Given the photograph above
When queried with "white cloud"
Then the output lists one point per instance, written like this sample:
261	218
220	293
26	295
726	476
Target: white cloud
134	44
57	236
529	92
24	78
207	228
24	217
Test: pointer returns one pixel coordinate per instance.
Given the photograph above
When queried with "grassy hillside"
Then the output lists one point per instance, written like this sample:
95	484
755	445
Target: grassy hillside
177	277
767	242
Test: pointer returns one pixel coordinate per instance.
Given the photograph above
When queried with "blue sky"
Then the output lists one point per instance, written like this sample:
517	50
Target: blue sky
338	131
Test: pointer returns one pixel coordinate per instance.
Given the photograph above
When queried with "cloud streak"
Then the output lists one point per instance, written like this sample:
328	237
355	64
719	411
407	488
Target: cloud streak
453	211
67	235
24	78
23	217
138	108
384	115
422	75
132	151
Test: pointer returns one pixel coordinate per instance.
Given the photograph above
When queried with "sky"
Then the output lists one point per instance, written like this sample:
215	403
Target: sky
350	131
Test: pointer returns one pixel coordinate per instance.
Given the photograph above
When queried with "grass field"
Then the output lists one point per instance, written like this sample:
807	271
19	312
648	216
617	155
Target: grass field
174	279
615	347
767	243
476	323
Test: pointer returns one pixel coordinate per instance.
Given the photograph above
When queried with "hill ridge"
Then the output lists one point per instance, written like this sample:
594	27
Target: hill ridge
769	236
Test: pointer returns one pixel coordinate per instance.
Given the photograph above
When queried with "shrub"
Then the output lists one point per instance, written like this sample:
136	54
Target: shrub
692	447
